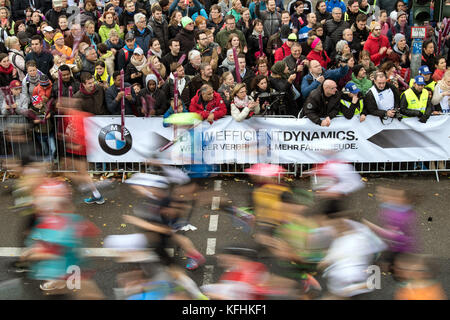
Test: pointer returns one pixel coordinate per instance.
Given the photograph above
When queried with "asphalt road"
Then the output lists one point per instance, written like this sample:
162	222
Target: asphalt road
432	209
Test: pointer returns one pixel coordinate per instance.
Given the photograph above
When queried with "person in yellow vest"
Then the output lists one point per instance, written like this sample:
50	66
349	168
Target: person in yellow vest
416	102
352	103
429	82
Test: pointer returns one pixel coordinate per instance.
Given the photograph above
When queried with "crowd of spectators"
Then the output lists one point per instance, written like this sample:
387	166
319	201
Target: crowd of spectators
240	58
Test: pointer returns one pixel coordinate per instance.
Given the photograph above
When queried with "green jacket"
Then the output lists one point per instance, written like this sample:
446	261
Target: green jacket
104	31
222	37
364	85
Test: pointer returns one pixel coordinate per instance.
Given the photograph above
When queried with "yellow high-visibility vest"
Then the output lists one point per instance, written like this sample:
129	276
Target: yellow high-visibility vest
415	103
348	104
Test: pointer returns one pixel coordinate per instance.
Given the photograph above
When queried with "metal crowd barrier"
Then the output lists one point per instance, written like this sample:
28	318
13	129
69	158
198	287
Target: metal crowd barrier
10	149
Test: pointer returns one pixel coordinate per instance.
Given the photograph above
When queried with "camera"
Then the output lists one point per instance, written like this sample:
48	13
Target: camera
276	102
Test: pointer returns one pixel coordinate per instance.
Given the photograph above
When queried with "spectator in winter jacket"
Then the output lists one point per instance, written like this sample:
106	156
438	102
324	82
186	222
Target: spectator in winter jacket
89	60
173	55
113	97
317	52
91	95
359	78
382	99
133	71
124	54
334	29
401	26
323	103
108	25
224	34
186	37
206	76
360	31
271	18
126	19
142	34
53	14
208	103
246	74
17	102
44	60
152	100
159	27
285	49
242	105
44	89
317	75
7	70
377	45
65	51
31	79
67	81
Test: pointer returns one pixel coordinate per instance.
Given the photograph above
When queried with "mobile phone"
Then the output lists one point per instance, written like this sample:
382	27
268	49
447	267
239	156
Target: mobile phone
127	91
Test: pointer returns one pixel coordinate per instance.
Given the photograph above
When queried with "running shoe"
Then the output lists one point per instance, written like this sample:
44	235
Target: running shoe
91	200
195	263
52	285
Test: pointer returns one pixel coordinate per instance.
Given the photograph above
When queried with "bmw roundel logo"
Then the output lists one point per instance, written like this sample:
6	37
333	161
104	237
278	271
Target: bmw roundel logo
110	140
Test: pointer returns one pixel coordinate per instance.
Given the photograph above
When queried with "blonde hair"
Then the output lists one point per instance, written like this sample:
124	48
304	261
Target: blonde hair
10	41
162	68
237	88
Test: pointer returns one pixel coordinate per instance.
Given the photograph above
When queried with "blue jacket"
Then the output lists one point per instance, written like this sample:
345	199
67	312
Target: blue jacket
197	7
336	3
143	39
309	83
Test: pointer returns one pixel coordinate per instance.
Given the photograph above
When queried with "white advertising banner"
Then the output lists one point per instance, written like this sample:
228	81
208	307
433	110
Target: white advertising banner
276	140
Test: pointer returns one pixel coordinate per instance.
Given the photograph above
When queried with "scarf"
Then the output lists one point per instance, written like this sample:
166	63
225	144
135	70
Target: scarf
9	70
109	26
83	90
227	64
241	104
256	34
397	50
158	54
139	65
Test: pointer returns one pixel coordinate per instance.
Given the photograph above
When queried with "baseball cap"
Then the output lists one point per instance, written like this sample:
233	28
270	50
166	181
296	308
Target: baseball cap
49	29
36	100
420	80
129	36
292	37
15	84
57	3
424	70
351	87
138	50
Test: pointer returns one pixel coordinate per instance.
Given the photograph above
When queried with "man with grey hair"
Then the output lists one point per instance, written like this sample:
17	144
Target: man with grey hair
322	104
194	60
334	28
347	35
142	34
89	60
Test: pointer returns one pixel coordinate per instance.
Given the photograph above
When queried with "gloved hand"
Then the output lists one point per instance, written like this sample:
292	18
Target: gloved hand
423	119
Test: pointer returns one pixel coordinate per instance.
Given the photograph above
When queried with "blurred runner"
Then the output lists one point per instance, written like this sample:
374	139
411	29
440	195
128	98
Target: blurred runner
74	144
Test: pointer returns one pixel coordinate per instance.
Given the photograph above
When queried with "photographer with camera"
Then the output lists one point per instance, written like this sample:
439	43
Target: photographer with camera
382	99
317	75
282	82
352	102
416	101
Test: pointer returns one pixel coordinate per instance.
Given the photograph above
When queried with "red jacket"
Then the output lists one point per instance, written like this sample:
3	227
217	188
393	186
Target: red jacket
217	104
373	45
282	52
320	56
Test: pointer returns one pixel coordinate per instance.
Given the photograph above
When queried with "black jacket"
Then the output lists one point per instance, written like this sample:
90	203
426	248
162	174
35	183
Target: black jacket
370	103
187	40
168	59
65	87
44	61
129	70
161	32
191	88
113	105
318	106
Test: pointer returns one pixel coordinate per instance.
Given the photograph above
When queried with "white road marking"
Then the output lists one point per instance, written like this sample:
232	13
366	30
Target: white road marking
215	203
211	246
217	185
87	252
213	222
208	275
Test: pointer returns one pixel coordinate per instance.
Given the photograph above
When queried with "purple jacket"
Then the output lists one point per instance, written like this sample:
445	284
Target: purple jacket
399	224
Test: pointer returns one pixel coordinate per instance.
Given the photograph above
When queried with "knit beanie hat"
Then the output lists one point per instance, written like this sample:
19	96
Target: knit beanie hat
357	68
185	21
278	68
398	37
44	80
